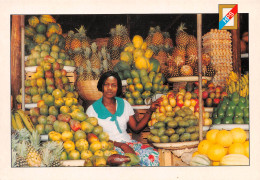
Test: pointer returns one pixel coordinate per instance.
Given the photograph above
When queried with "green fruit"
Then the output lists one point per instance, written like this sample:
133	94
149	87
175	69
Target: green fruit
136	94
238	120
129	81
145	79
155	87
53	111
134	73
136	80
185	137
159	124
229	113
122	66
246	112
221	113
48	128
241	105
131	101
183	123
128	94
29	31
172	124
180	130
191	129
44	110
146	94
246	120
235	98
126	74
139	87
217	121
178	118
161	131
97	130
134	159
42	119
139	101
242	100
239	112
54	38
174	138
227	120
169	131
168	118
194	136
154	132
231	105
154	65
40	128
157	78
155	139
151	76
41	28
79	134
103	136
192	122
164	139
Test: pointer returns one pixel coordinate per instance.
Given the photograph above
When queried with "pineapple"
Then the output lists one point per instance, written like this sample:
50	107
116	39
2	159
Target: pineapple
192	54
22	151
78	58
107	65
85	42
117	40
186	70
110	40
167	40
76	45
51	152
95	61
179	50
125	36
210	70
158	38
149	38
179	60
173	71
115	53
68	40
182	38
205	59
192	39
33	157
87	72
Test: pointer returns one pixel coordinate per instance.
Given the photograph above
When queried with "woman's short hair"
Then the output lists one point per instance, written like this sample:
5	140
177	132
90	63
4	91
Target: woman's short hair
104	77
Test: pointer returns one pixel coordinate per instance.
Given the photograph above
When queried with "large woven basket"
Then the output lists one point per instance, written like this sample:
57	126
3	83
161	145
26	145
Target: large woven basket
88	90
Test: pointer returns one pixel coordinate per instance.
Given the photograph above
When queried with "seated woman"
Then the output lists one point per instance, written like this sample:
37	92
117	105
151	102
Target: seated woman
114	114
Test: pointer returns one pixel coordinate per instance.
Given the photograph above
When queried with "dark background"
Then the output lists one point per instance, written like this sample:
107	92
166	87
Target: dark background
99	25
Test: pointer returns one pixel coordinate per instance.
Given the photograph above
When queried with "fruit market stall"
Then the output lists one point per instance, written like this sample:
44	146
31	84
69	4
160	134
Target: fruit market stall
203	117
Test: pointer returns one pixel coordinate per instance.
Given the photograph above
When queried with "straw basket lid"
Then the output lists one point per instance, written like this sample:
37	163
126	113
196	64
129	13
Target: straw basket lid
88	90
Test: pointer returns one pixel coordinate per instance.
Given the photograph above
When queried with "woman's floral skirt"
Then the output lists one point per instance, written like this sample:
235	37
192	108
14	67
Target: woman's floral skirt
147	154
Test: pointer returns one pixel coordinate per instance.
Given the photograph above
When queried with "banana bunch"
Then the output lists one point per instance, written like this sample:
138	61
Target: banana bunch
21	120
236	84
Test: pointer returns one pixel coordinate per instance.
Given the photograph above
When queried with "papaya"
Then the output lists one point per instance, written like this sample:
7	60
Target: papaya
121	66
134	73
157	78
154	65
126	74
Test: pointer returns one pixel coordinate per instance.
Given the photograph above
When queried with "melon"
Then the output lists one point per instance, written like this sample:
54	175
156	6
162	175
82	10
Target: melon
200	160
234	160
41	28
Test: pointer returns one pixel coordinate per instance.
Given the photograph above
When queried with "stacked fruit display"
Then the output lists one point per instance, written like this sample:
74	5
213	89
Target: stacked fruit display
234	109
117	41
43	29
239	85
217	44
212	95
28	151
87	141
222	147
92	63
141	85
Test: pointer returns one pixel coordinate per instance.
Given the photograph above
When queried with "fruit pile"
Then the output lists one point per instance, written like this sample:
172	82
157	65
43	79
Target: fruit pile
217	44
42	30
234	109
141	85
28	151
87	141
222	147
183	126
212	95
239	85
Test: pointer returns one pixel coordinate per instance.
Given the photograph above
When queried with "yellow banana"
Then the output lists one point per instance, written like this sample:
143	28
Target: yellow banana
237	86
26	119
14	125
18	120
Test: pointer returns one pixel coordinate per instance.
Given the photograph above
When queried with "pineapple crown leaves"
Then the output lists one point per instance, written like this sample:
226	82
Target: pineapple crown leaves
87	52
99	55
23	134
81	31
166	34
152	30
112	31
51	151
94	47
22	149
35	140
47	157
104	52
14	156
14	141
70	33
119	29
105	64
157	29
181	28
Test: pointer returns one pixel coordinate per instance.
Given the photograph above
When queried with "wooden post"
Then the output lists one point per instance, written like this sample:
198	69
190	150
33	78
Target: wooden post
15	57
199	39
236	48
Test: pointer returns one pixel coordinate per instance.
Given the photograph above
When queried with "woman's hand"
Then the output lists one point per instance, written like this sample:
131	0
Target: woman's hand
155	104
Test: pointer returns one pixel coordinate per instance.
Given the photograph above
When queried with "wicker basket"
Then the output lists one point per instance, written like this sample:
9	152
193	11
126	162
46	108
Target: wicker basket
88	90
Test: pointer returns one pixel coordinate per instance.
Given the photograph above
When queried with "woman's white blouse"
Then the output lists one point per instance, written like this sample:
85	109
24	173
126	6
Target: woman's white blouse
110	126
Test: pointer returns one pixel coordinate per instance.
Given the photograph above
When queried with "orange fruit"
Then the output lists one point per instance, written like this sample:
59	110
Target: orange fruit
239	135
236	148
195	153
216	152
204	146
211	135
224	138
215	163
246	145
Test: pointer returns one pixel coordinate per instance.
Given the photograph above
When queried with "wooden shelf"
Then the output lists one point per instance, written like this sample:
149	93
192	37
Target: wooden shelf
187	79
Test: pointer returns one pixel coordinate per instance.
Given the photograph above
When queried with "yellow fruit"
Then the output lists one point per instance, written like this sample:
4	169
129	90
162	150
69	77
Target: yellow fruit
142	62
54	136
239	135
211	135
66	135
195	153
86	154
246	145
99	153
216	152
234	160
148	53
137	41
82	145
95	146
137	53
113	152
144	46
236	148
224	138
69	146
204	146
215	163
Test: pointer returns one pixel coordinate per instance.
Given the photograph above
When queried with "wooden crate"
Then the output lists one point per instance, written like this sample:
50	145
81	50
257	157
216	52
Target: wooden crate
167	158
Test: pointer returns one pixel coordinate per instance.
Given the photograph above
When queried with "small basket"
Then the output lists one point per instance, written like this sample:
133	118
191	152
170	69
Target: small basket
88	90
